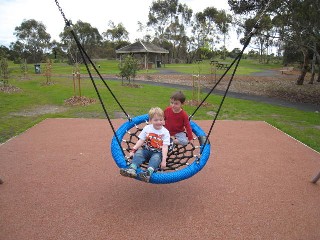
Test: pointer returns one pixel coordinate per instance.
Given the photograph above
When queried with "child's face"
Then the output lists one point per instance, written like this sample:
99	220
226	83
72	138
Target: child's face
157	121
176	105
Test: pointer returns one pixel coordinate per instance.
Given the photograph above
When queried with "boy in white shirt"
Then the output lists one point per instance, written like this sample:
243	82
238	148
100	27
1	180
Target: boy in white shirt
154	139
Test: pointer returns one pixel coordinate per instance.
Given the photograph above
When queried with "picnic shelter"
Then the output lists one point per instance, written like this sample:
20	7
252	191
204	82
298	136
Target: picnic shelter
148	52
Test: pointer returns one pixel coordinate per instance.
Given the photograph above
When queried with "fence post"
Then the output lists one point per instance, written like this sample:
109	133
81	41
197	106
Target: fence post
316	178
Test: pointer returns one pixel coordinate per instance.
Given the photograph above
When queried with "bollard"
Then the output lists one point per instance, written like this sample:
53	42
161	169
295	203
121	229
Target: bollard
316	178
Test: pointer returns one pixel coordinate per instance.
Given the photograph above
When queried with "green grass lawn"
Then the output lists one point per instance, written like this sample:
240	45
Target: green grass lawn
18	111
246	66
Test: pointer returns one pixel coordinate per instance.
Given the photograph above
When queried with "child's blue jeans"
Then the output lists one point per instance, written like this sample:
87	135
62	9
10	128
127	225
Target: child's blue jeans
143	155
182	138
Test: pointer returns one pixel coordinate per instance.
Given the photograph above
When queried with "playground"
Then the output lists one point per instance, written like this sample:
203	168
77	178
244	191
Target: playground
60	179
60	182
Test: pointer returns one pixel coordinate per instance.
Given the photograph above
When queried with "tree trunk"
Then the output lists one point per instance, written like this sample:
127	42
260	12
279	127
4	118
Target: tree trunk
224	46
267	48
318	79
316	62
313	68
260	52
304	68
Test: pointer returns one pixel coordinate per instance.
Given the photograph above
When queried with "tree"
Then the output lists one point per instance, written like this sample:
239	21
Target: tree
4	71
174	34
299	28
88	36
169	19
33	40
116	33
144	28
4	52
200	32
253	54
128	69
16	52
206	28
263	38
24	69
235	52
209	17
296	21
223	21
57	51
117	37
161	14
48	71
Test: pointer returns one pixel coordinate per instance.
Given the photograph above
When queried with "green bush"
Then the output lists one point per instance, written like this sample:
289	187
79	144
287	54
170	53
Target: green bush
128	69
4	71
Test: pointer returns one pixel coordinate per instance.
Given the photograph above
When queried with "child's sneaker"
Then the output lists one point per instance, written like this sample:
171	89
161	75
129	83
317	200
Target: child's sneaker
128	172
145	176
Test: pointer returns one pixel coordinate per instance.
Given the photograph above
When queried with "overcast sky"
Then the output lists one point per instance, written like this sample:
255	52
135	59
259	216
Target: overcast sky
96	12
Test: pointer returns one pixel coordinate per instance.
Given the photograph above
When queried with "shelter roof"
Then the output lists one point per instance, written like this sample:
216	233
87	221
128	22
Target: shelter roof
142	47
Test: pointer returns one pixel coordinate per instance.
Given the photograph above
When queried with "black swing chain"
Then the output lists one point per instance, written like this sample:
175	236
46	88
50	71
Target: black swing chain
68	23
84	55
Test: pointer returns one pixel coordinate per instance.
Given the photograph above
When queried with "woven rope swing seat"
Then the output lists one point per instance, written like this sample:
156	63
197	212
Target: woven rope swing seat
183	161
179	165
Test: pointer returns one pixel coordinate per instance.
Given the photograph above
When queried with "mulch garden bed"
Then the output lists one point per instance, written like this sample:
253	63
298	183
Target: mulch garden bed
280	86
77	100
10	89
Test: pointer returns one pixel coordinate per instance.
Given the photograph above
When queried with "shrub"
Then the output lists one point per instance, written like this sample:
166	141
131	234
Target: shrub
128	69
4	71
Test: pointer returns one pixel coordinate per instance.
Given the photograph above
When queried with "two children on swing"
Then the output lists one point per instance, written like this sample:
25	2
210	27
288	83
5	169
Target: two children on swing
155	137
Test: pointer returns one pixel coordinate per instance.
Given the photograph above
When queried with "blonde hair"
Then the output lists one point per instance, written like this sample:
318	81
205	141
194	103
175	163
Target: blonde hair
155	111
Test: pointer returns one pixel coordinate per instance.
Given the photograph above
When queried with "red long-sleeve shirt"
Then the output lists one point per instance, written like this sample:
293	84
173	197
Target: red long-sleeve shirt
177	122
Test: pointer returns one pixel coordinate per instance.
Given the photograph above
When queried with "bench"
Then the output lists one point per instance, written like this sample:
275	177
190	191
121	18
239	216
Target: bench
221	65
286	69
213	62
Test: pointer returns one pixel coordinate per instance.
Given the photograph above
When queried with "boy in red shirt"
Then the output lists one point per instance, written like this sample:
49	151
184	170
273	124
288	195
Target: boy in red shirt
177	120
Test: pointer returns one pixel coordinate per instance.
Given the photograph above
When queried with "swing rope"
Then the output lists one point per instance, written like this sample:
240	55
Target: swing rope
85	56
83	52
236	61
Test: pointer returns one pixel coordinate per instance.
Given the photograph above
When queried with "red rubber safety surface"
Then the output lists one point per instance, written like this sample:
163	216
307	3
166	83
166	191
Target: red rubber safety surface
60	182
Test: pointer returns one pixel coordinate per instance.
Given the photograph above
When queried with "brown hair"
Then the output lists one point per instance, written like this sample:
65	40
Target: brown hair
178	96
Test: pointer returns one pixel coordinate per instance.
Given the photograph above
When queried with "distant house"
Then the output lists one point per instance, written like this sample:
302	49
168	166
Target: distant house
146	51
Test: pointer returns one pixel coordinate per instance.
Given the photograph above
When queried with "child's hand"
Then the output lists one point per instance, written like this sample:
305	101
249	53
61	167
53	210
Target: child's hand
131	154
163	164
